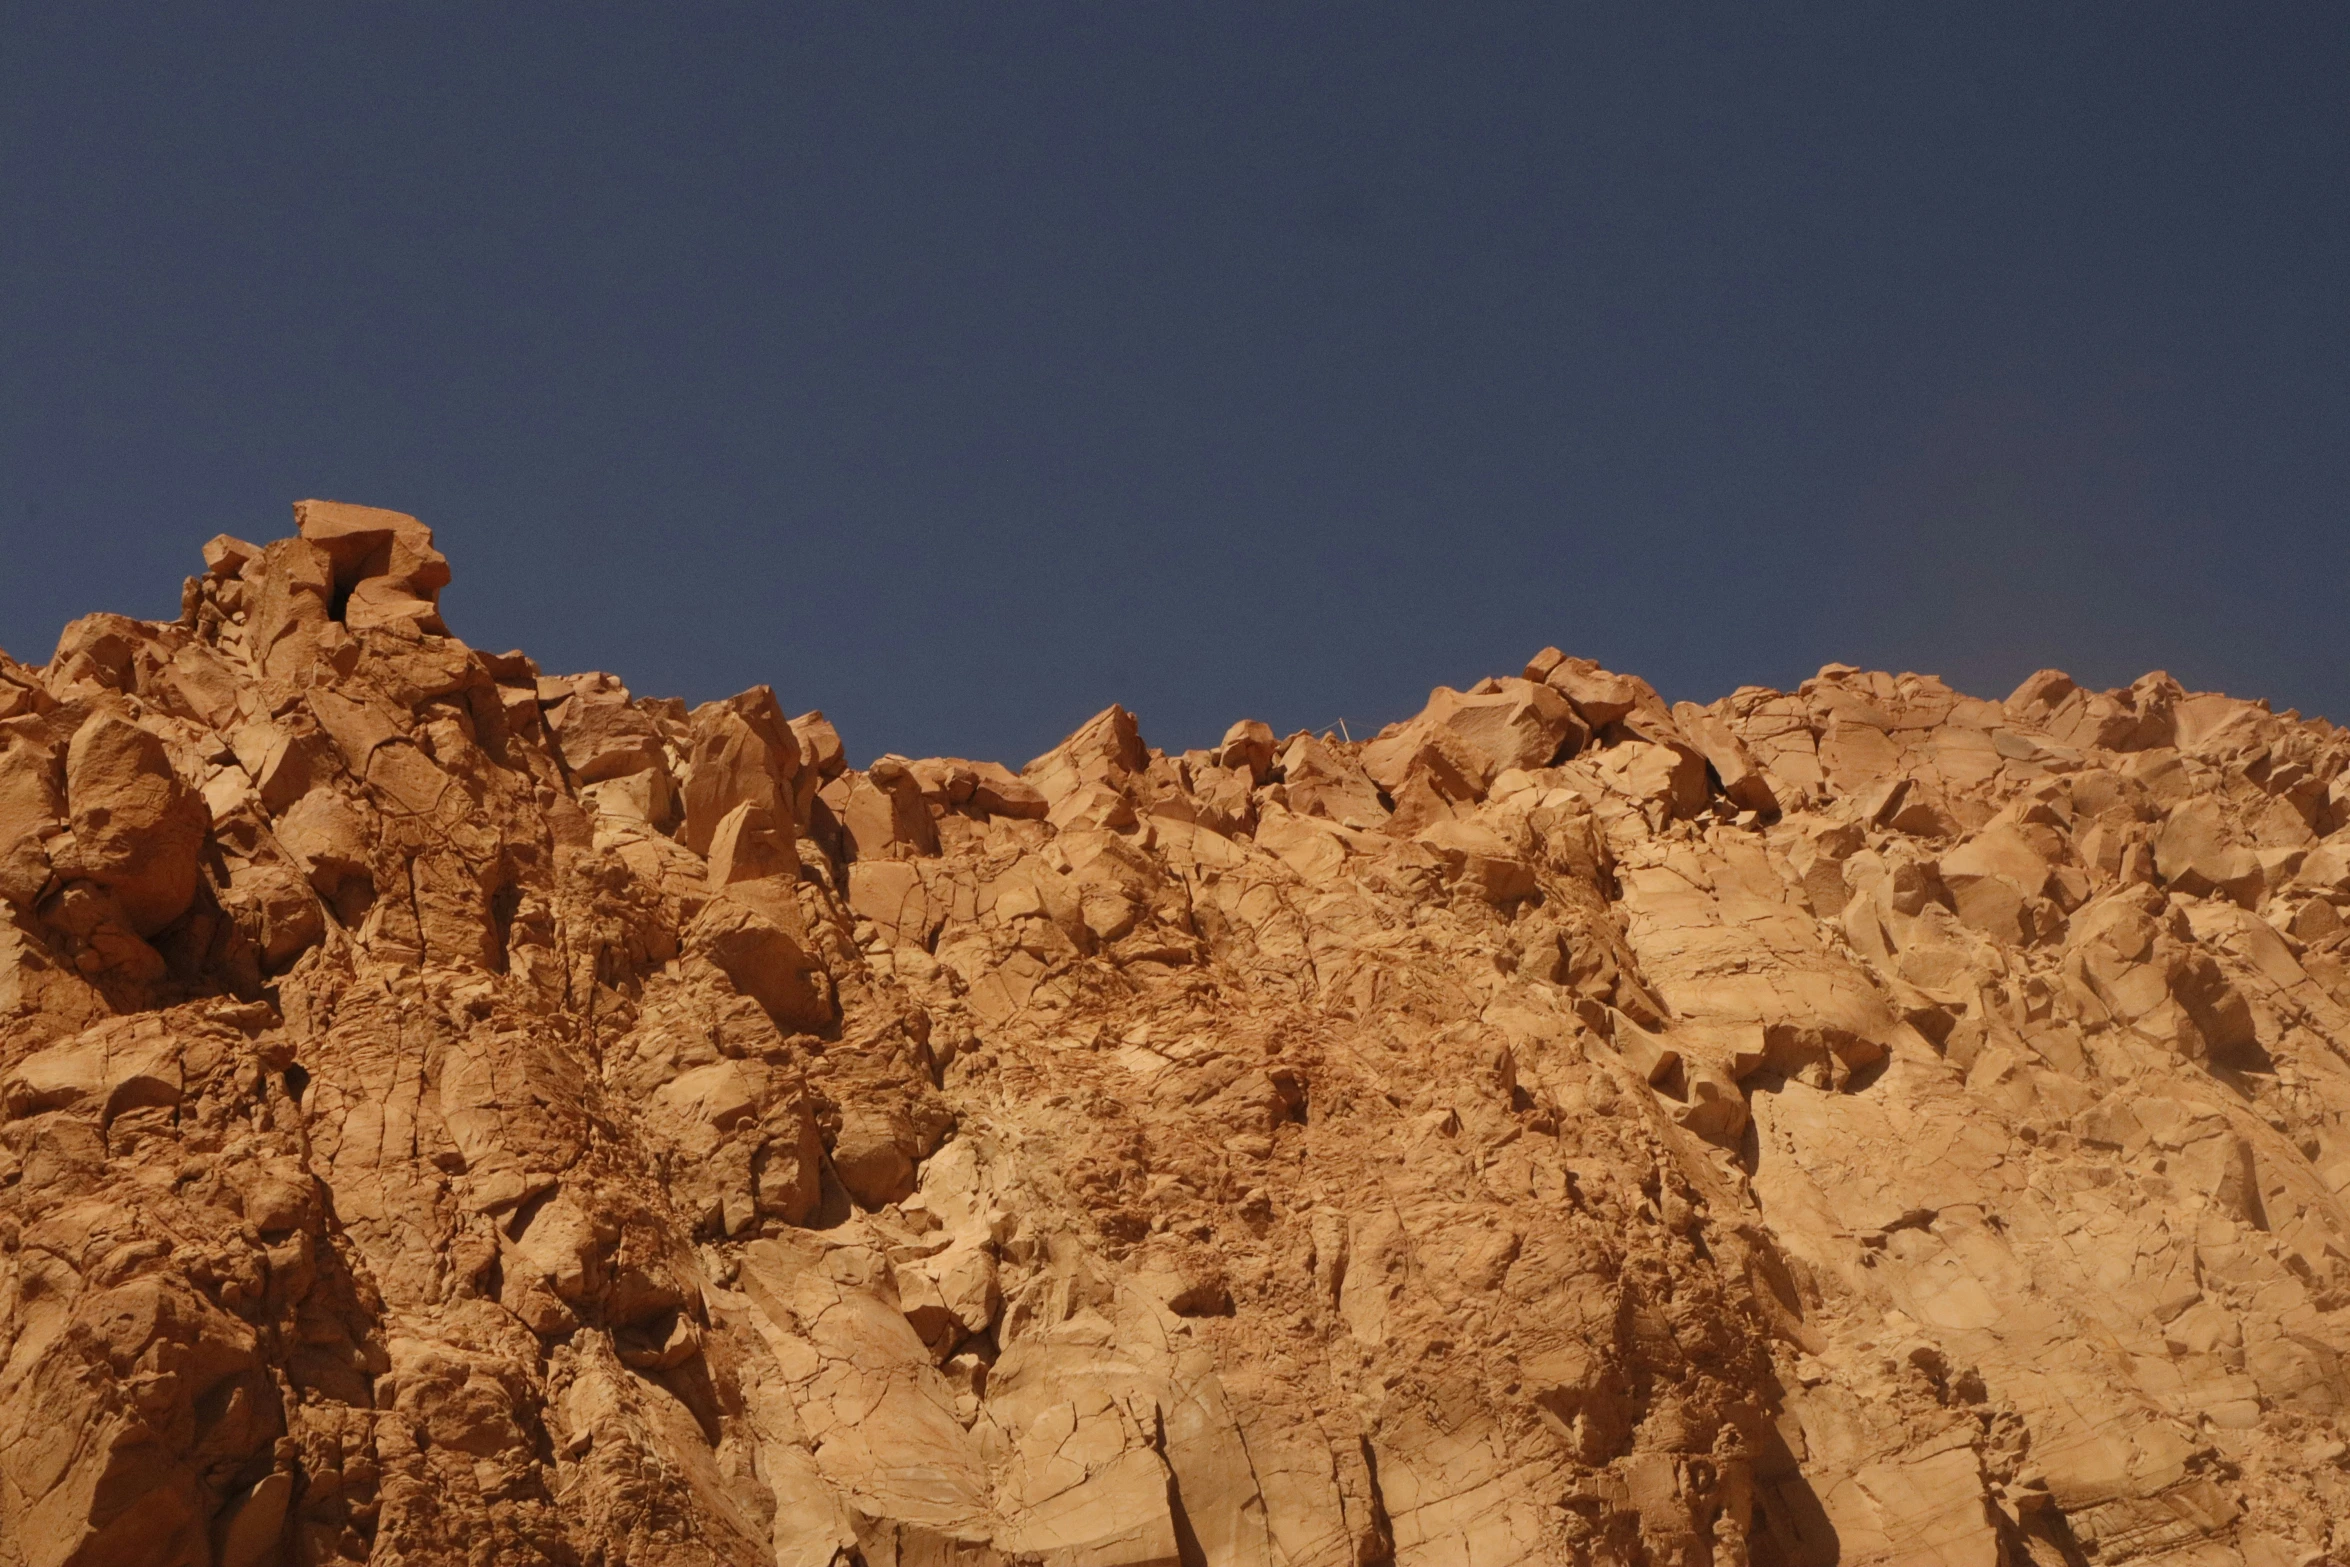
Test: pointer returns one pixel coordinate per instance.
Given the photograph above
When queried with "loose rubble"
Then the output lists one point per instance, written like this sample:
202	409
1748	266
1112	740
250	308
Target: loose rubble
458	1113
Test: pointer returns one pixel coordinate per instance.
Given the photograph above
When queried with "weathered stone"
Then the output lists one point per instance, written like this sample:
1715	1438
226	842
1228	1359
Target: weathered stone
1248	746
765	959
32	811
744	753
1520	724
138	826
526	1123
386	571
883	812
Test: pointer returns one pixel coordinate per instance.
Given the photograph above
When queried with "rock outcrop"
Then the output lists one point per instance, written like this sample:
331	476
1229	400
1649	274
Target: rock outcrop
453	1113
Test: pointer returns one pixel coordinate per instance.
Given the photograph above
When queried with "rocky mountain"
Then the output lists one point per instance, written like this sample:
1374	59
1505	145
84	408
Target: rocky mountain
457	1113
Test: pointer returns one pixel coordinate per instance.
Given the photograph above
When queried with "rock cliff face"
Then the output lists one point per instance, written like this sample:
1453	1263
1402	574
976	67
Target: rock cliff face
454	1113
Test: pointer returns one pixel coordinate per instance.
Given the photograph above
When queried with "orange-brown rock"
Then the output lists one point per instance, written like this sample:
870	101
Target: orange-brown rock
744	752
138	828
450	1112
385	568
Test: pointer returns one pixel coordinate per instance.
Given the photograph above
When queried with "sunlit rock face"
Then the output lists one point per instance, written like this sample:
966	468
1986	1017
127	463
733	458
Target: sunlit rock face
455	1113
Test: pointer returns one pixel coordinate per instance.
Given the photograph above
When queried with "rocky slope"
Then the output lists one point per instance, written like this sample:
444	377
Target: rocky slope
460	1114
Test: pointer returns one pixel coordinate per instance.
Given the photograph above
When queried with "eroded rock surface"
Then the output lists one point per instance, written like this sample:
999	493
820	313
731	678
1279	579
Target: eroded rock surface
455	1113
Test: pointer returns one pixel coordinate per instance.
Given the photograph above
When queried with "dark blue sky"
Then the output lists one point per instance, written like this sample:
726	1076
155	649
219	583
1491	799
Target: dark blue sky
963	369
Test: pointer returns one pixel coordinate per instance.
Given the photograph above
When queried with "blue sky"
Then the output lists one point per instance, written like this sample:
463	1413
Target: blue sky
960	371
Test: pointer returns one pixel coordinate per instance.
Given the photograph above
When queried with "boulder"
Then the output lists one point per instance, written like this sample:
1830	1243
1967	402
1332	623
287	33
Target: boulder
998	791
605	735
138	827
874	1156
279	911
2195	852
1599	696
744	752
1476	736
1105	751
882	811
385	569
227	556
328	838
1248	747
751	844
820	744
1742	778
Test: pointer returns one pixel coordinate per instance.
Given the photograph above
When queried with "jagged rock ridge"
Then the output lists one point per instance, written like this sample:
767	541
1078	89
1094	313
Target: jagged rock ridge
458	1114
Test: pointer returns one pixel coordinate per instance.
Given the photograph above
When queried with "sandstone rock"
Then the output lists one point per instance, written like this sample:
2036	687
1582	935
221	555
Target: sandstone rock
820	744
226	555
289	613
1743	781
1321	780
385	568
32	811
998	791
1105	752
744	752
280	910
328	838
2193	852
750	845
521	1122
1480	734
765	959
138	827
1600	696
604	735
1248	746
1481	859
882	811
